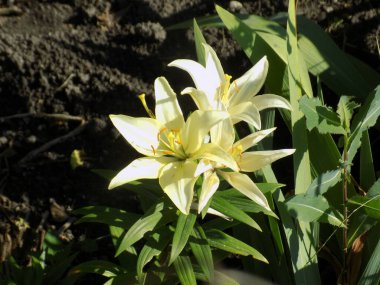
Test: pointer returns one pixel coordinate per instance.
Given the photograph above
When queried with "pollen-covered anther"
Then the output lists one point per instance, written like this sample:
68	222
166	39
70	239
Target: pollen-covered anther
145	105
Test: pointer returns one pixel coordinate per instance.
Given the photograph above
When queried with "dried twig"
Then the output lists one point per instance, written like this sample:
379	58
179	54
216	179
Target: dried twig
64	117
10	11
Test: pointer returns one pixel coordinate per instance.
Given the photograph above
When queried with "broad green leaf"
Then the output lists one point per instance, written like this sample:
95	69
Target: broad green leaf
345	110
374	190
184	227
228	209
202	252
371	205
228	243
199	41
101	267
323	182
320	117
106	215
313	209
145	224
155	245
185	271
367	171
365	119
371	273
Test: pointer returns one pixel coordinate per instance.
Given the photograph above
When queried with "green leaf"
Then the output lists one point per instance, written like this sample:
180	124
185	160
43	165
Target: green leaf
223	279
228	243
323	182
313	209
145	224
374	190
184	227
367	171
155	245
101	267
202	252
345	110
199	41
371	205
320	117
185	271
365	119
371	273
106	215
228	209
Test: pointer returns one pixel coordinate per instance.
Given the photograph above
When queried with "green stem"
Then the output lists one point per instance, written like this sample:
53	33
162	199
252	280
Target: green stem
345	267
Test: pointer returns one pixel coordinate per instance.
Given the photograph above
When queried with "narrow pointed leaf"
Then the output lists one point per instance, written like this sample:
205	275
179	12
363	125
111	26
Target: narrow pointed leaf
323	182
225	207
184	227
313	209
145	224
101	267
367	171
202	252
371	205
185	270
199	41
228	243
371	273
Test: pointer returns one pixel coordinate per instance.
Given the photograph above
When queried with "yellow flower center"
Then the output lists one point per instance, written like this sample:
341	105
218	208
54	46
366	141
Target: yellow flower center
236	153
170	143
224	93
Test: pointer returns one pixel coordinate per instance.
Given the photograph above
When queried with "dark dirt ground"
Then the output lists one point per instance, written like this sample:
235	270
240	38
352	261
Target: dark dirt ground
87	59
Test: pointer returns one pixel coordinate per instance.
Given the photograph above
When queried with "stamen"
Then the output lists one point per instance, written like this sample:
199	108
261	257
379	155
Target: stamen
142	99
154	151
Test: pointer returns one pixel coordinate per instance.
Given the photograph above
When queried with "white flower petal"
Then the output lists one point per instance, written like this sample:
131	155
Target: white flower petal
245	185
203	166
252	139
209	186
252	161
266	101
215	153
141	133
200	98
197	126
246	112
214	68
141	168
223	134
250	83
202	80
177	180
167	110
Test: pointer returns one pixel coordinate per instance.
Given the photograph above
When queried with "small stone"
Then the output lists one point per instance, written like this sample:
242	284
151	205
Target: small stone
3	140
31	139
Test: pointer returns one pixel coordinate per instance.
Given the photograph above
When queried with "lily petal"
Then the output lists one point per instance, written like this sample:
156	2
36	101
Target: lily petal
141	133
203	166
200	98
246	186
177	180
209	186
213	66
250	83
246	112
223	134
252	161
215	153
167	110
197	126
266	101
252	139
145	167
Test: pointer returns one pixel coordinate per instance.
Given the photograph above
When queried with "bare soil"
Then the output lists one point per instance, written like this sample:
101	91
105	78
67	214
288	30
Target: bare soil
86	59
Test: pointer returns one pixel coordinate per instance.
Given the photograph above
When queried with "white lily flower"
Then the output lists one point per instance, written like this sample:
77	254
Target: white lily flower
172	146
248	161
214	91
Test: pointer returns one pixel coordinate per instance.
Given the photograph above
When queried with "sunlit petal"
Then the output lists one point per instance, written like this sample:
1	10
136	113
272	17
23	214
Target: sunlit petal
250	83
141	168
252	139
266	101
246	112
213	66
245	185
141	133
202	80
252	161
168	111
223	134
215	153
203	166
200	98
197	126
177	180
209	186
